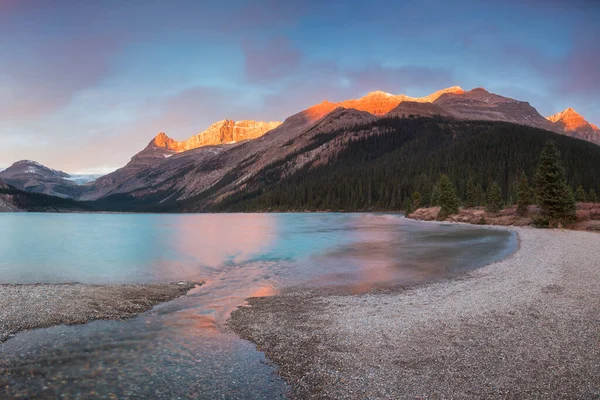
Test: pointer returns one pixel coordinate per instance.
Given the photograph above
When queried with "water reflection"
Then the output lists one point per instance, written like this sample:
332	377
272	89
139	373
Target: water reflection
180	349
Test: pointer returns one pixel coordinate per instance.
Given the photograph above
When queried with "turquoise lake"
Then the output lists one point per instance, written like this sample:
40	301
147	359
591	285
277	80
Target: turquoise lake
182	348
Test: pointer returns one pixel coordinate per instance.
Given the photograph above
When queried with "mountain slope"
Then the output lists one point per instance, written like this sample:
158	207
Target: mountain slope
163	147
408	109
33	177
479	104
135	178
15	200
574	125
6	200
380	170
205	176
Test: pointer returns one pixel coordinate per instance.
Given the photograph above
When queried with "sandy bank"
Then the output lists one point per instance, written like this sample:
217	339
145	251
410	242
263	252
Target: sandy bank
24	307
526	327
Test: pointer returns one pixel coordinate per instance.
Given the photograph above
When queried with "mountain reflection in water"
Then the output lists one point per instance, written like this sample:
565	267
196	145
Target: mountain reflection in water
182	348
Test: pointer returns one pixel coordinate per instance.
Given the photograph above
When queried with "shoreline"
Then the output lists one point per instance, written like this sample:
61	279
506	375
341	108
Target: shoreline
526	326
31	306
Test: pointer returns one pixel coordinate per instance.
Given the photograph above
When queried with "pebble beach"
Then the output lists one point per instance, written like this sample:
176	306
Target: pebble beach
524	327
24	307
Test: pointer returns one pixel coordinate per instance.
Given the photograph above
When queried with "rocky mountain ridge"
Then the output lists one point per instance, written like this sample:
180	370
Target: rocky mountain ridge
222	160
221	132
32	176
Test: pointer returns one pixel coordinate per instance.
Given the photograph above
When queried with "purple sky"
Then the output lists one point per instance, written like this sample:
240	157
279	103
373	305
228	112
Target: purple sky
84	85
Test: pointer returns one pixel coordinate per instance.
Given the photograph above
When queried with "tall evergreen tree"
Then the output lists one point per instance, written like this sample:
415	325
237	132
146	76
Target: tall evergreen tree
446	197
554	196
495	202
472	195
416	200
592	198
580	195
523	196
424	188
408	209
435	196
480	195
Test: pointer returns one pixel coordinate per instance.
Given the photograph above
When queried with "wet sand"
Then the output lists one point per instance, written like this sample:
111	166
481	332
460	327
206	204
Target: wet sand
525	327
24	307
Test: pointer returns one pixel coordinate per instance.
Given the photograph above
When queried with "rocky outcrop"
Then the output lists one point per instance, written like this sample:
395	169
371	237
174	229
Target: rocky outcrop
34	177
222	132
6	203
575	125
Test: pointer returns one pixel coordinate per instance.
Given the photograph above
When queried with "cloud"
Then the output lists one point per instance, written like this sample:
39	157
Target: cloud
578	72
267	14
8	6
277	60
399	79
46	79
270	59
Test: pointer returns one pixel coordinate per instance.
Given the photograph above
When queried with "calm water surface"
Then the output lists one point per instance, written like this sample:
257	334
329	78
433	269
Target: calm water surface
181	348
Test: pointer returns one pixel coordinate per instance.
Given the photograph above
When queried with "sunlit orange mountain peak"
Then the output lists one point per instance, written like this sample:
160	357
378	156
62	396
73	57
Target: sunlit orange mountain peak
571	120
221	132
380	103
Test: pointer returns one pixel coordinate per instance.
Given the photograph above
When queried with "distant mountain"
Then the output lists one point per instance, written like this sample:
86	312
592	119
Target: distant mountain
230	159
226	132
165	175
16	200
34	177
573	124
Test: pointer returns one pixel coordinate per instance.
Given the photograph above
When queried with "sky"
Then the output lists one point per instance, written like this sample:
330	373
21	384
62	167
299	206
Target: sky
84	85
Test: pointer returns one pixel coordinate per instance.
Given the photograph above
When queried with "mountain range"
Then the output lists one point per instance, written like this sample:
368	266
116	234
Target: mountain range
227	158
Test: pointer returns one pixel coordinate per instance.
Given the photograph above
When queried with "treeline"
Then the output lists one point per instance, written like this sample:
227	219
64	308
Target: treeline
38	202
382	171
551	193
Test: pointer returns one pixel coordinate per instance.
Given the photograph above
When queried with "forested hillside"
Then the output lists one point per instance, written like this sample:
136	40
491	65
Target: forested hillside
380	171
37	202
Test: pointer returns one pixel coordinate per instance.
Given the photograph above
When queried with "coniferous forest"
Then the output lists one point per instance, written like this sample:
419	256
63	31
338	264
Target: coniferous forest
383	171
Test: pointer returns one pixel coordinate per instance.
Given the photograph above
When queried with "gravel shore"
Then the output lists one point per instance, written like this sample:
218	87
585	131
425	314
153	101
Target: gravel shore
24	307
525	327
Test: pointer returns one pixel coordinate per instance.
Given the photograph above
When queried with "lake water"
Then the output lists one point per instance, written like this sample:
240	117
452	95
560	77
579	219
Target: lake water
182	348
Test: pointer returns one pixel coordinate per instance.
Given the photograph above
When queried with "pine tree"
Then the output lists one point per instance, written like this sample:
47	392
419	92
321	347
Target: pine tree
416	200
523	196
580	195
592	198
495	202
435	197
471	194
480	195
424	188
554	196
447	197
407	206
